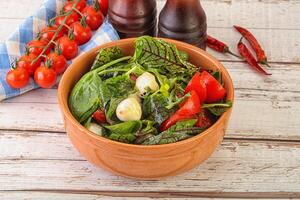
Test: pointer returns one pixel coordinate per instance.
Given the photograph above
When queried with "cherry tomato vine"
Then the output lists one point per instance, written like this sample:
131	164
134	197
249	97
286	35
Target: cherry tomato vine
72	27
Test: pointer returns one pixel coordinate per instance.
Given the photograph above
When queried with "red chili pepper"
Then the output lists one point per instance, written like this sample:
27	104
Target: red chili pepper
219	46
245	53
260	53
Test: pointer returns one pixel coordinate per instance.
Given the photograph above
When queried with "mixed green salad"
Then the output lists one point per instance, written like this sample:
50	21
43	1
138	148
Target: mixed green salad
153	97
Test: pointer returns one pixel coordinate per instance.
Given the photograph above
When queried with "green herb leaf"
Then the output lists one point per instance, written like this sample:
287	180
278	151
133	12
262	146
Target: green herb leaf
106	55
125	127
154	53
124	132
180	131
154	108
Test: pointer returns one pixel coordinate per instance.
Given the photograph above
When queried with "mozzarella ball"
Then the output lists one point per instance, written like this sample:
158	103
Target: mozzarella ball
146	82
129	110
95	128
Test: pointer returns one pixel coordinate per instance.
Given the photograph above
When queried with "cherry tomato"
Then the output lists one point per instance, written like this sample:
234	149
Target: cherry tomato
198	85
47	33
215	91
99	116
82	33
68	47
45	77
58	62
25	62
73	17
36	47
17	78
103	6
189	109
69	4
94	18
204	121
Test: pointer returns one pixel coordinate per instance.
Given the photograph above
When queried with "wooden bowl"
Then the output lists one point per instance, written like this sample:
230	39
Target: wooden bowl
138	161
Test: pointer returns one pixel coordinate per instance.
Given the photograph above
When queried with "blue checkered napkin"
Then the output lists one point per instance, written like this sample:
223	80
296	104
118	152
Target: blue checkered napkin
14	46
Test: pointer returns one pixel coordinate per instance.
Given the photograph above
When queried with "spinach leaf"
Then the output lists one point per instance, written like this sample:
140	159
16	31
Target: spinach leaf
106	55
119	86
111	108
113	91
125	127
180	131
85	99
218	109
158	54
217	75
124	132
154	108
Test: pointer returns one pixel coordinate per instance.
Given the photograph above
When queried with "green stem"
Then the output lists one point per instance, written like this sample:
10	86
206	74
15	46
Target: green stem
178	101
112	70
226	105
78	11
103	67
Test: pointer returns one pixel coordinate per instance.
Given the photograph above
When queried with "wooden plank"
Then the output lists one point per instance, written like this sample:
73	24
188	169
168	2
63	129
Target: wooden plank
280	45
69	196
260	111
271	14
271	31
237	166
95	195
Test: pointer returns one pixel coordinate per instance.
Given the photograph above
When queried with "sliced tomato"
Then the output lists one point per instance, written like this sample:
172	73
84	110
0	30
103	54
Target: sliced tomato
188	110
214	90
197	85
99	116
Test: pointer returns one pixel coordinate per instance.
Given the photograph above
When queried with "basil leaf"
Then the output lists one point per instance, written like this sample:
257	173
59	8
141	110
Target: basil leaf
106	55
218	109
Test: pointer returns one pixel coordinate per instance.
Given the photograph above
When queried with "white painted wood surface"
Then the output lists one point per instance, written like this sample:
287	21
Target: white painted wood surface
260	156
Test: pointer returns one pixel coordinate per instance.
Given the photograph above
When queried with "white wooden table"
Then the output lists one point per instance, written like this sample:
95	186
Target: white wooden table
259	158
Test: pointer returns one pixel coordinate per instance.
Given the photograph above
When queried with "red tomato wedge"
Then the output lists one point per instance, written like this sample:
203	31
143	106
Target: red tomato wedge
99	116
198	86
214	90
188	110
